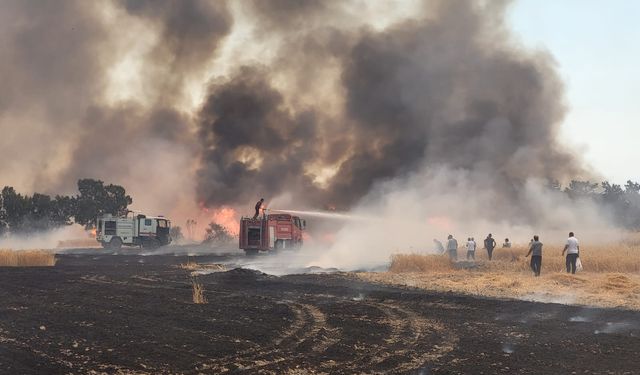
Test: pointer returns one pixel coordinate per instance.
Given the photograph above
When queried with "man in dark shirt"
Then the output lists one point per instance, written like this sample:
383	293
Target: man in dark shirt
452	248
258	206
536	255
489	244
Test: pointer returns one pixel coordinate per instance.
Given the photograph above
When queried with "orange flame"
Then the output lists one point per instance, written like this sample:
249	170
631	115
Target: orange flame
440	222
227	217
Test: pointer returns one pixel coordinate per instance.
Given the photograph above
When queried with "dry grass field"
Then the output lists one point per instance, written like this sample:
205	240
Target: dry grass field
607	258
611	275
202	268
26	258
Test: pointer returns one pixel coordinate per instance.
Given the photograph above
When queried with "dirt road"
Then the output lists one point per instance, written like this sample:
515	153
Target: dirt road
134	314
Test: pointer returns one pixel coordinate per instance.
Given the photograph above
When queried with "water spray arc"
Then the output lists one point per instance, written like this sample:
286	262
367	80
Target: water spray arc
323	214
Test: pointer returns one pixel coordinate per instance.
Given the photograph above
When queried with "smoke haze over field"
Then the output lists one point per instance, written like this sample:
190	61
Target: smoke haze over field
315	104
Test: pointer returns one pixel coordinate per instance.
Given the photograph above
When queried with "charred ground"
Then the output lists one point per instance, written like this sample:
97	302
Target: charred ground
134	314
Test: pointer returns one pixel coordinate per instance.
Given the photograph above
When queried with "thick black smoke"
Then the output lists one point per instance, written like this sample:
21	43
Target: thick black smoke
253	143
306	99
57	113
190	33
51	70
451	89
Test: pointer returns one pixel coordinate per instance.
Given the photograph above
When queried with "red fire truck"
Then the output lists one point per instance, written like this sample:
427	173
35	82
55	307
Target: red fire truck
271	232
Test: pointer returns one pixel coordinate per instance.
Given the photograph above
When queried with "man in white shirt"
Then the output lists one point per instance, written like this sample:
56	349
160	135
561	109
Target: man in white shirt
572	248
471	249
439	248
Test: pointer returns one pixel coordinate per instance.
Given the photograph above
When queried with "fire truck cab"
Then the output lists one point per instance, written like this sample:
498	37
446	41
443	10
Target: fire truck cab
133	230
271	232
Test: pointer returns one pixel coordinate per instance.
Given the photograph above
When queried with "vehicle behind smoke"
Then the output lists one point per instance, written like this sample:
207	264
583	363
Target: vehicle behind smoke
271	233
133	230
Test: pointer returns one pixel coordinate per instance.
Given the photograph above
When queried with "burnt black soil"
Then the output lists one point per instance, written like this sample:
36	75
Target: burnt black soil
134	314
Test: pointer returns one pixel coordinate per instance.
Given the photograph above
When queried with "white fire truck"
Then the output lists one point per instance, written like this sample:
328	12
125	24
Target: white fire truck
133	230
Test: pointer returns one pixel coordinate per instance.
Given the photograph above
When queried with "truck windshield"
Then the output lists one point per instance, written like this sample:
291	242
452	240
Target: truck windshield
162	223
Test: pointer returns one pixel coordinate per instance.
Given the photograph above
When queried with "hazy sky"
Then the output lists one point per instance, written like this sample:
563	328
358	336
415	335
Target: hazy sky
597	47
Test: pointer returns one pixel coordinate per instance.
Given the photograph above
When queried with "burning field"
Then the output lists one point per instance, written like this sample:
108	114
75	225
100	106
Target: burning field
96	313
383	125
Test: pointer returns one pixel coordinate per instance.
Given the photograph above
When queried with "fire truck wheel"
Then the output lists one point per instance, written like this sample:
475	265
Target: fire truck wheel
115	243
279	244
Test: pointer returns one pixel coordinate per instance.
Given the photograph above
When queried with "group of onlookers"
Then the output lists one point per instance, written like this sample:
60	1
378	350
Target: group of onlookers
571	248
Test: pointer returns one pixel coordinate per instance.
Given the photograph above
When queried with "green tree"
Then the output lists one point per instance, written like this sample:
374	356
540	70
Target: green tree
63	209
612	193
96	199
582	189
632	198
24	214
38	217
632	187
16	209
39	212
4	227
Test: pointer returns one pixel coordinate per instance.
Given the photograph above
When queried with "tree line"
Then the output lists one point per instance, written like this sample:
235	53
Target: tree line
21	214
623	201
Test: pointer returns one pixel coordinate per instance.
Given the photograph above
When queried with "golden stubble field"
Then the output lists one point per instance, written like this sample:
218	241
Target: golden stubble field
611	275
27	258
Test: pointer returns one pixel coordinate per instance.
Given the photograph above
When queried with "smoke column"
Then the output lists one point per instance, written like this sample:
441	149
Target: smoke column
362	106
101	90
449	87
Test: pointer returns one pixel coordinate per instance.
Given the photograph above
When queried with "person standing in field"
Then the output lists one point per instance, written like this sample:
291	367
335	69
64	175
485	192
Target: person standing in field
506	244
572	248
452	248
489	244
471	249
439	248
535	250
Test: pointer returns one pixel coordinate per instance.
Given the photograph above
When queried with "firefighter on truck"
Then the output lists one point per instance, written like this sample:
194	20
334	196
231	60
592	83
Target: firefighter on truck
271	232
258	207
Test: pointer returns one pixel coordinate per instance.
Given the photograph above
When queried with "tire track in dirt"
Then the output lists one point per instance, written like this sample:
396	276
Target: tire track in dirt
309	334
413	328
318	338
308	326
401	349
